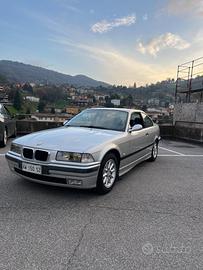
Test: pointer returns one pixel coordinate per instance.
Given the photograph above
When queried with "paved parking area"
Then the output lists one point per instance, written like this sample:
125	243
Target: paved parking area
153	219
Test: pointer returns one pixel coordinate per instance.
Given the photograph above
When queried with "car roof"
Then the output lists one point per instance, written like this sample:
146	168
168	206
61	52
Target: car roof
116	109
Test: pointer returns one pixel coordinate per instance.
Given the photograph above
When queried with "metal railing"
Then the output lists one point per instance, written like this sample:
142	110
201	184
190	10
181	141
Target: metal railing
189	81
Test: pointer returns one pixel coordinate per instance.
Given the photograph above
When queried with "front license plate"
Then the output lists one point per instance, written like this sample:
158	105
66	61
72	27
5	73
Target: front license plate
27	167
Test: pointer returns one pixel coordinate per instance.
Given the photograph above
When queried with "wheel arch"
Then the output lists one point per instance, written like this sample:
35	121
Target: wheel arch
111	149
115	152
157	139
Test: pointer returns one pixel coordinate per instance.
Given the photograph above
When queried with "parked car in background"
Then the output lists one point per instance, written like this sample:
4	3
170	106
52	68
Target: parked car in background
7	125
92	150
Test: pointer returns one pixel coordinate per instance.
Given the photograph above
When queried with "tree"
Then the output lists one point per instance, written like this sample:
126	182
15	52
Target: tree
3	79
41	106
28	111
17	102
27	87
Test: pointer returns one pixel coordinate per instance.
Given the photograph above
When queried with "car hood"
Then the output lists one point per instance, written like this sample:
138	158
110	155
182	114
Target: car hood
73	139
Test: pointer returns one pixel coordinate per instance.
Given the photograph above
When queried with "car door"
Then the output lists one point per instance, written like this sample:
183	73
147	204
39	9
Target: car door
148	129
137	139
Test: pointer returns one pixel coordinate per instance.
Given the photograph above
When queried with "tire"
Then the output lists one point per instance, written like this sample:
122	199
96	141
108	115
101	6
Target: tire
154	152
4	139
108	174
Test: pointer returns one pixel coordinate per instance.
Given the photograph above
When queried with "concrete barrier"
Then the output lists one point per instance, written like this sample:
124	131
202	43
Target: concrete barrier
188	113
29	126
166	131
189	131
185	131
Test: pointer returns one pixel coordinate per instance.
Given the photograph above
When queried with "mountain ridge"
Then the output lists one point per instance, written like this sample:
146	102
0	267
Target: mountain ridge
16	71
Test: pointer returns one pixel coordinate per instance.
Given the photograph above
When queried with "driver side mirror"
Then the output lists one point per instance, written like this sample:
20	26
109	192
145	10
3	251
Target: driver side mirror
135	128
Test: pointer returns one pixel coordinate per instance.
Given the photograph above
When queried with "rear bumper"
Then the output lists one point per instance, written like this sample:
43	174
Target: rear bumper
84	177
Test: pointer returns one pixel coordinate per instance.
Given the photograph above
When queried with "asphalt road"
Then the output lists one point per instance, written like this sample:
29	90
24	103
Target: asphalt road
153	219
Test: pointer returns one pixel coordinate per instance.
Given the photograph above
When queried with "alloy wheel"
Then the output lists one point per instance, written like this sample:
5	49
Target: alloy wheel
109	173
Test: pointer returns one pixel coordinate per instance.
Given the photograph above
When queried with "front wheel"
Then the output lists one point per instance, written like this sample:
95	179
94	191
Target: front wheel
108	174
154	152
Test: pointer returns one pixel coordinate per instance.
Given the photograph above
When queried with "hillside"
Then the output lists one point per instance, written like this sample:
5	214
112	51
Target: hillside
19	72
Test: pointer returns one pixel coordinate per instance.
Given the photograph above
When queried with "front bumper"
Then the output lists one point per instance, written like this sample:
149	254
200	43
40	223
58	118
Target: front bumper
83	176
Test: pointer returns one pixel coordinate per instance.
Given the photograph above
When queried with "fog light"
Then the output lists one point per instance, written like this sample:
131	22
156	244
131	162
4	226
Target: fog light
74	182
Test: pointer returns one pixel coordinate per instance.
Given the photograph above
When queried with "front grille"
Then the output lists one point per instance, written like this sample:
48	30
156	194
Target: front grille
41	155
40	177
38	154
28	153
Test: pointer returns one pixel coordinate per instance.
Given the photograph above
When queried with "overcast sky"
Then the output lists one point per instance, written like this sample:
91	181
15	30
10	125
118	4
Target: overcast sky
116	41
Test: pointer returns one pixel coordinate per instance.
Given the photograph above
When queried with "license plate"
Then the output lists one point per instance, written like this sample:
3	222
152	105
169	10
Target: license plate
27	167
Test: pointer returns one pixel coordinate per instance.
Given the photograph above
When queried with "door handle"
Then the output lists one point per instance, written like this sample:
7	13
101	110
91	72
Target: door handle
147	134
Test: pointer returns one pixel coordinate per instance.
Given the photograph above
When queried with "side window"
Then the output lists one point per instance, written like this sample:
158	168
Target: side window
135	119
147	121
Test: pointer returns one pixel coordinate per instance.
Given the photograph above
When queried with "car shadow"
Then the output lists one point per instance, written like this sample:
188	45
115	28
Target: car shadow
58	191
133	170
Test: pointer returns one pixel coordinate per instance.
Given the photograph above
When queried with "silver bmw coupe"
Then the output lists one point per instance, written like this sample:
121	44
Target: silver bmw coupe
90	151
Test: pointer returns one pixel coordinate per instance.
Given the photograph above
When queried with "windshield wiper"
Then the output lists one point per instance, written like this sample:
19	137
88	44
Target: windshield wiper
98	127
94	127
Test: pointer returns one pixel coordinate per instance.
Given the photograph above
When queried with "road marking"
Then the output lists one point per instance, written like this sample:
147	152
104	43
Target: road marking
178	153
169	155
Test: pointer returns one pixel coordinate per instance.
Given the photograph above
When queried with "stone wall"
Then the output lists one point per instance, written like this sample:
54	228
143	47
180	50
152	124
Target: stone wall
188	121
188	113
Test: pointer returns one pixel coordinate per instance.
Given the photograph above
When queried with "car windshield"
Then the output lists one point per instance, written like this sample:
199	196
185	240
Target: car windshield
102	119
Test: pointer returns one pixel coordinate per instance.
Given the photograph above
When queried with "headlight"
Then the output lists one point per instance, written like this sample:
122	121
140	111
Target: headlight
16	148
74	157
87	158
69	156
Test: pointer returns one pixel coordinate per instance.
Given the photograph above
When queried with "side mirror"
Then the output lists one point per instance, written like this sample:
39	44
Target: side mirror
136	128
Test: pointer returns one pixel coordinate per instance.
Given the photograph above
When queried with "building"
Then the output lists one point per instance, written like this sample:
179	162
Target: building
116	102
32	99
153	101
58	110
43	117
72	110
2	89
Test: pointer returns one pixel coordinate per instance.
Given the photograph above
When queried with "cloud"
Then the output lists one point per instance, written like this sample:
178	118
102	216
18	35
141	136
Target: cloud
194	7
69	5
161	42
106	26
116	67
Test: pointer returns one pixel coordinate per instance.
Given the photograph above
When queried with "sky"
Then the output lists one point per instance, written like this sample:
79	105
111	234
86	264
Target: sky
115	41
